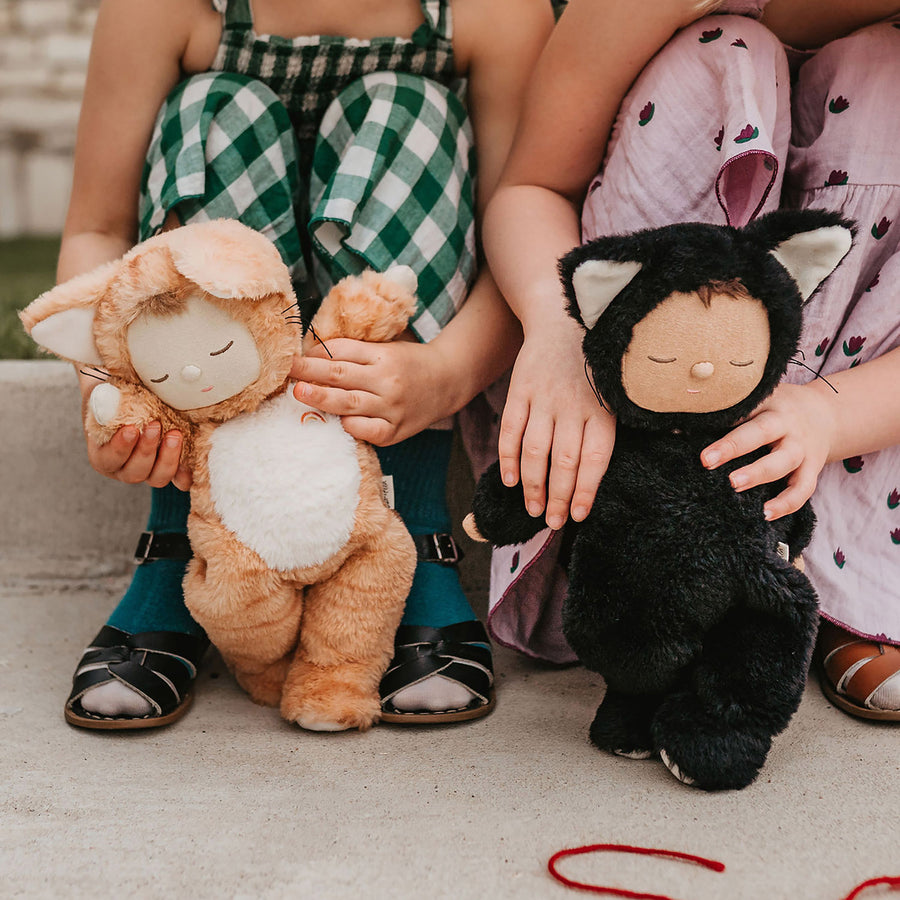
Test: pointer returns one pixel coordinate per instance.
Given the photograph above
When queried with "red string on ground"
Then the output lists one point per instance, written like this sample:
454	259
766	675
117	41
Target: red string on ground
892	880
624	848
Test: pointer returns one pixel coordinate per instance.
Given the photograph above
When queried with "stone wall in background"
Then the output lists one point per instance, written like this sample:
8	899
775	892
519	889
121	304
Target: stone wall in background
44	47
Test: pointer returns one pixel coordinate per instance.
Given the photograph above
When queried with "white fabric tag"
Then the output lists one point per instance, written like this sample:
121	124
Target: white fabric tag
784	551
387	490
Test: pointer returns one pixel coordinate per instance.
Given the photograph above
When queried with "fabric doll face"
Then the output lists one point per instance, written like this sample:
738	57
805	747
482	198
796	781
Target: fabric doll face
691	326
693	355
194	358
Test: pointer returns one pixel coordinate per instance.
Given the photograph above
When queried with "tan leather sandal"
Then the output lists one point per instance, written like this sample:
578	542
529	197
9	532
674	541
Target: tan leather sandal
852	669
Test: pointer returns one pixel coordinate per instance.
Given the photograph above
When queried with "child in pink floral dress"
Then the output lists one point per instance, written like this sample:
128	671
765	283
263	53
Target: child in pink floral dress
726	121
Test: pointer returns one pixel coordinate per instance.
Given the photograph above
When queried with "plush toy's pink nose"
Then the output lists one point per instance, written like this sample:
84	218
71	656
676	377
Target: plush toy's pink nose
702	369
190	373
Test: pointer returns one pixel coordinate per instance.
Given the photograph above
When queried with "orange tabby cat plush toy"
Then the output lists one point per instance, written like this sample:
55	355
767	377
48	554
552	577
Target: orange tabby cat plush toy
194	329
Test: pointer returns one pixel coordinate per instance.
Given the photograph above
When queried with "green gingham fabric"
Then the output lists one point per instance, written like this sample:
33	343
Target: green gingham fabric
223	148
308	72
389	157
391	183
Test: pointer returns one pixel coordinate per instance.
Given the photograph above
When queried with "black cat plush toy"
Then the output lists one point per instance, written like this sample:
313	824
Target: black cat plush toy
681	594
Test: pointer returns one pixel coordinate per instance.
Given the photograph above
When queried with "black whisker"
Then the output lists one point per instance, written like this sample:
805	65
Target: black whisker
102	377
296	303
313	330
797	362
590	380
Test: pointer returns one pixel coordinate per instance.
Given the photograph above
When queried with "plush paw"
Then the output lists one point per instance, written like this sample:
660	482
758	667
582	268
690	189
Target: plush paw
264	687
622	726
321	698
705	751
104	403
337	712
471	529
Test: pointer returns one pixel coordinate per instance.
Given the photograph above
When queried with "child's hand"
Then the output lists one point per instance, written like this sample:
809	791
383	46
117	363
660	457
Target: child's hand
796	424
383	392
134	456
552	420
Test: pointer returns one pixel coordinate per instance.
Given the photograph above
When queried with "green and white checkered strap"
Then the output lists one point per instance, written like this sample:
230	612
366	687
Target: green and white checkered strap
391	183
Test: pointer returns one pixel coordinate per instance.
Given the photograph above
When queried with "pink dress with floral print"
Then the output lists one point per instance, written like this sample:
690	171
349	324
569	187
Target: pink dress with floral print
724	124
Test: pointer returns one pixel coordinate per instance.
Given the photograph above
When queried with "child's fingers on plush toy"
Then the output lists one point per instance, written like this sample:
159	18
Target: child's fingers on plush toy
596	450
384	392
134	456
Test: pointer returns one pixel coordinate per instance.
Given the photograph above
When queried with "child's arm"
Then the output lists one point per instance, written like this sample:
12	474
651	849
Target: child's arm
136	58
552	421
388	392
810	425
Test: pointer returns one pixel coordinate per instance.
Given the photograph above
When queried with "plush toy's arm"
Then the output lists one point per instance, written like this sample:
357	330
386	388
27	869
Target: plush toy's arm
110	406
369	307
498	512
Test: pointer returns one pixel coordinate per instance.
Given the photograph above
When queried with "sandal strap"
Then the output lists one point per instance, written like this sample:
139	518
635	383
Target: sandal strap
457	652
163	545
873	674
439	548
847	654
159	665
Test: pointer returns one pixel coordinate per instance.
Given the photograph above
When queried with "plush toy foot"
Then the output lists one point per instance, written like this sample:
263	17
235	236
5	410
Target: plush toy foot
622	725
129	681
265	688
320	699
859	676
439	675
705	752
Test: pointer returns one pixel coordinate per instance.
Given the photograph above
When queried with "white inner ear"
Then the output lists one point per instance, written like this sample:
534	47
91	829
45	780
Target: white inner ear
69	334
597	282
811	256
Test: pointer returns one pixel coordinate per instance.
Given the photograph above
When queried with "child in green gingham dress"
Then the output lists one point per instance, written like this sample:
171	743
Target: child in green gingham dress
347	153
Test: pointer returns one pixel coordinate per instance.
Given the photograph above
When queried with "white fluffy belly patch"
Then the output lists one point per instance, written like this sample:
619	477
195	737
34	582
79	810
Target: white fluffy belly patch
285	479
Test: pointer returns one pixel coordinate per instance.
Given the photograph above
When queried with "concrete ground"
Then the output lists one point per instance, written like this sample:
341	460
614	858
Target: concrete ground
231	802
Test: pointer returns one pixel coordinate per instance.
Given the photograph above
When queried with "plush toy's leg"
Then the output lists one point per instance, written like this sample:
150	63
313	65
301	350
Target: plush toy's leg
347	637
743	691
252	617
622	724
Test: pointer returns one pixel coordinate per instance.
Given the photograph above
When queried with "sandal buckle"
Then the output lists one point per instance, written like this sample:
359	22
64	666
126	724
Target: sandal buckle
439	548
142	551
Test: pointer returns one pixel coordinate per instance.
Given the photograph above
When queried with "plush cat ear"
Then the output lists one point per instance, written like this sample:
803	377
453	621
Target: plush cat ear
811	256
228	259
596	283
61	320
69	334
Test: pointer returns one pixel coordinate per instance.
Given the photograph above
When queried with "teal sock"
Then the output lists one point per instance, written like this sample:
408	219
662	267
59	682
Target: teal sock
419	469
154	600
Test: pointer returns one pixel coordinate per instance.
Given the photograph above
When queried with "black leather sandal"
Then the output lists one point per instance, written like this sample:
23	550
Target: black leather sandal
159	665
455	652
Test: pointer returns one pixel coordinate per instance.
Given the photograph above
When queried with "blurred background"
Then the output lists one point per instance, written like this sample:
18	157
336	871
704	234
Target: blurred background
44	46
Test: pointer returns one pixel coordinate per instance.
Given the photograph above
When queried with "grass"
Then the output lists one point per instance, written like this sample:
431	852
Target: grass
27	268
